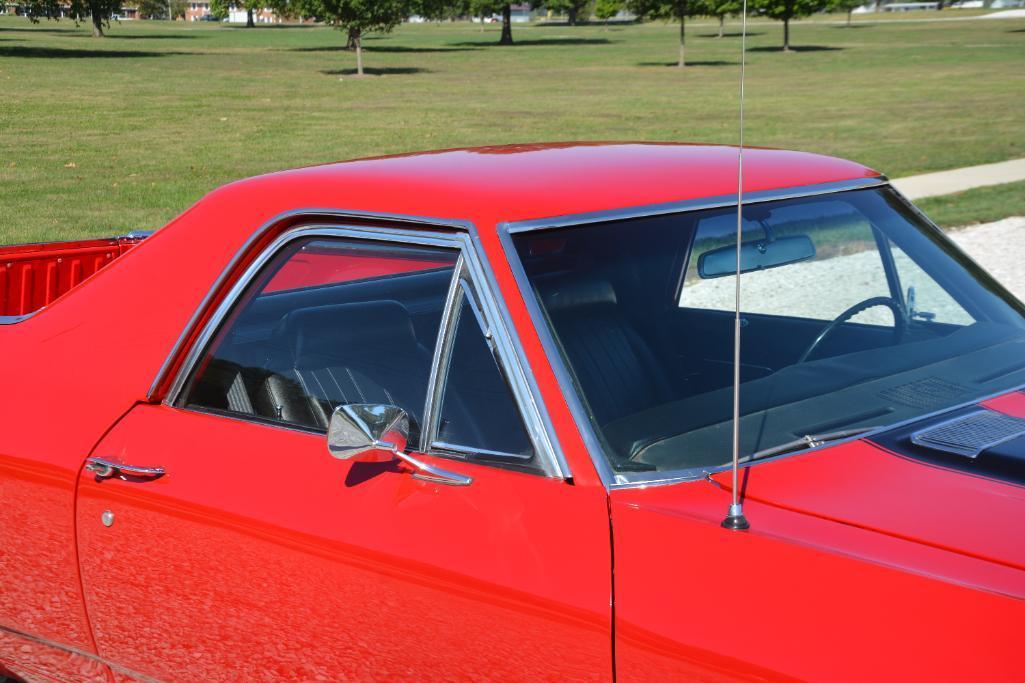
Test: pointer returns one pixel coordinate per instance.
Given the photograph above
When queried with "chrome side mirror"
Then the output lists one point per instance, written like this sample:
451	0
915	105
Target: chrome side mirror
370	432
362	429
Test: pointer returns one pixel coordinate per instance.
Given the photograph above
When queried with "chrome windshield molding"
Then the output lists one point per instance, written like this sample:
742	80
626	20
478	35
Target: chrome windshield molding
541	430
442	356
512	364
690	205
15	319
311	213
642	479
595	448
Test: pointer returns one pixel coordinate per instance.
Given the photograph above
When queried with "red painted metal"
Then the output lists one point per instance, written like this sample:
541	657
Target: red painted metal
859	563
309	269
1012	404
35	275
260	556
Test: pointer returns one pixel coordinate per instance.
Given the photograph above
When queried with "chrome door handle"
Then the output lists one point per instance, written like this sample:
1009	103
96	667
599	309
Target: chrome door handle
108	468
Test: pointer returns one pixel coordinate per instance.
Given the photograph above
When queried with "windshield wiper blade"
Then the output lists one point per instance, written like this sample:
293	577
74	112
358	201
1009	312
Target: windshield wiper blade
811	441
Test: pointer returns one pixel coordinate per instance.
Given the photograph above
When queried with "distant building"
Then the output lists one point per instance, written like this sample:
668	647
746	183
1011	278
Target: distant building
239	15
197	11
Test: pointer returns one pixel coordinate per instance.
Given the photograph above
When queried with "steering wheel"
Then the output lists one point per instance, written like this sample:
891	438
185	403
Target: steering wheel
900	322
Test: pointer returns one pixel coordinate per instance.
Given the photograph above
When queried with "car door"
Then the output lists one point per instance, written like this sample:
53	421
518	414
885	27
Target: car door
219	540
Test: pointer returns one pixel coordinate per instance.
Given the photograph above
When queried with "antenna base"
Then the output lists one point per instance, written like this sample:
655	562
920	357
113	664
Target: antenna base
736	519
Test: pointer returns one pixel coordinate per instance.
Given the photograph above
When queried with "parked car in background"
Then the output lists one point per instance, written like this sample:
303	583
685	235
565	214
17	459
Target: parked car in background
468	414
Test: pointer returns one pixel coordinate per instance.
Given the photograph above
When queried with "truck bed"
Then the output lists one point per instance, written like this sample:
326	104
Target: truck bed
33	275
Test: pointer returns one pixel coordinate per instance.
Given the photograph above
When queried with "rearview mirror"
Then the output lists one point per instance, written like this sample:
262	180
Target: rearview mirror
368	432
365	429
756	255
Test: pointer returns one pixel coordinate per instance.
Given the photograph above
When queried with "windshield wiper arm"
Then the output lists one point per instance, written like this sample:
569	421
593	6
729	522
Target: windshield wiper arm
811	441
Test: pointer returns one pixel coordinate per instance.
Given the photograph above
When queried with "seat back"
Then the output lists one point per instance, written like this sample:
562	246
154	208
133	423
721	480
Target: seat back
615	366
350	353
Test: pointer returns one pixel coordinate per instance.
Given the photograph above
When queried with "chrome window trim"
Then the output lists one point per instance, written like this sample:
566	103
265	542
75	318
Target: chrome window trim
649	210
442	356
532	412
596	450
470	451
310	213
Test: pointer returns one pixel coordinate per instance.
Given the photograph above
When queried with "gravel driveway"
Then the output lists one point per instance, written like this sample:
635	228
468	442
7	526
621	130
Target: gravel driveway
821	289
998	247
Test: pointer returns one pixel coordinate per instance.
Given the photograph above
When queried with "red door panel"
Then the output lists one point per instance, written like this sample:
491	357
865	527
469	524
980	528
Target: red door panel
797	598
259	556
40	600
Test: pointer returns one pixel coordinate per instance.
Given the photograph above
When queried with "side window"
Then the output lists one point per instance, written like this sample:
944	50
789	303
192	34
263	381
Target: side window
328	322
478	412
844	269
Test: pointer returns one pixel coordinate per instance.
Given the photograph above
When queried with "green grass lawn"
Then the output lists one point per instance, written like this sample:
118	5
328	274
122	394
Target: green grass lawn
99	136
980	205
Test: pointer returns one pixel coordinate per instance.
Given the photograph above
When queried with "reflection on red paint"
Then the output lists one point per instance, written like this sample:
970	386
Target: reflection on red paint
310	268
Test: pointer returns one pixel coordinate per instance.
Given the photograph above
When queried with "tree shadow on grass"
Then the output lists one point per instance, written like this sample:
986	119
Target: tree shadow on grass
159	36
537	42
690	64
28	52
376	48
44	29
1017	30
730	34
378	71
271	27
796	48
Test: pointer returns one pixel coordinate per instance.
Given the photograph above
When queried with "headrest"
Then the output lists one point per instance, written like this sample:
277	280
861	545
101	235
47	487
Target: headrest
348	330
565	293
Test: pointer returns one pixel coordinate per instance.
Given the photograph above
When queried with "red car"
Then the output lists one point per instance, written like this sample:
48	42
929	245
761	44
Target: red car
468	415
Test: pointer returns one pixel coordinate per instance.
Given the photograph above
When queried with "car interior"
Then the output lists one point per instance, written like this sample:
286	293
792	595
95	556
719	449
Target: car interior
292	356
655	376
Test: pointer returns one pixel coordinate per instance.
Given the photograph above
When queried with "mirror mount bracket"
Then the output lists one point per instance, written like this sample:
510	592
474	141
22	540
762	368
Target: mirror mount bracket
358	430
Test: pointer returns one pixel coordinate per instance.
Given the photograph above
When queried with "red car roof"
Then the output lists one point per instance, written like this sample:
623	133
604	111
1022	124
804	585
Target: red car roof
519	182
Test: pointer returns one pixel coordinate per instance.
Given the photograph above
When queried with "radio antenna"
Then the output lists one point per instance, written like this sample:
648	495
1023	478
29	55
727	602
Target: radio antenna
735	519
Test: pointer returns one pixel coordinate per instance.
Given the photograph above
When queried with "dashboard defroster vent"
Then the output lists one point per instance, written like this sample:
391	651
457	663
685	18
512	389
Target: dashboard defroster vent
971	434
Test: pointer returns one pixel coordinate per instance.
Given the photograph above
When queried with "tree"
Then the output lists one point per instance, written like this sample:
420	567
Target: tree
98	12
357	18
669	9
152	9
485	8
721	9
219	9
606	9
785	10
847	6
571	8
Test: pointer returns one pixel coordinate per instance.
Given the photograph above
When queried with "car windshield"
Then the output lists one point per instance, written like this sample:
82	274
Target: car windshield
855	314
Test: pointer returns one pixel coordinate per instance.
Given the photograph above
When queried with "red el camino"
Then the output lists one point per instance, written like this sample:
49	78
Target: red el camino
468	415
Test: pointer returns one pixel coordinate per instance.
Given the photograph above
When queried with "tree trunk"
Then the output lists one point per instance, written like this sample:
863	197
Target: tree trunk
482	23
682	62
359	53
572	12
722	25
249	18
350	42
849	13
786	35
97	25
506	38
